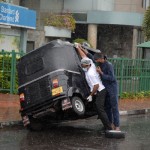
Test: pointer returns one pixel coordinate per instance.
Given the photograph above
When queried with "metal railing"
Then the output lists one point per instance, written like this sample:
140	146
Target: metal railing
133	75
8	73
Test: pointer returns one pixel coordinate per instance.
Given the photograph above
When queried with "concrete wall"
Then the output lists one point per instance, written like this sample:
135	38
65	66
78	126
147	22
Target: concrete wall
129	6
10	31
118	18
37	36
115	40
87	5
10	38
51	5
31	4
15	2
106	5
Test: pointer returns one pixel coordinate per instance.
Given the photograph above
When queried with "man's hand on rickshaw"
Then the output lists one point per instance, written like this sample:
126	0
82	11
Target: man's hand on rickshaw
89	98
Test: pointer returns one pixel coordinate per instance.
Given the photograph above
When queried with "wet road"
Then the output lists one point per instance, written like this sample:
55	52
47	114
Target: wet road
83	135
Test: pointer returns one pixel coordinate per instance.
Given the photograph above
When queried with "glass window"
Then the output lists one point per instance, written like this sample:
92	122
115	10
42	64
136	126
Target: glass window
34	66
145	3
30	46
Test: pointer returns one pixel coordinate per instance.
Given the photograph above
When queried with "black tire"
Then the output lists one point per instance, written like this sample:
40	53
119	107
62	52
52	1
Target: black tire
35	125
115	134
78	106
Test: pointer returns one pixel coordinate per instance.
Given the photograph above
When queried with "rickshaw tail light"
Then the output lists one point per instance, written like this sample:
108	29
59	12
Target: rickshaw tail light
55	83
21	97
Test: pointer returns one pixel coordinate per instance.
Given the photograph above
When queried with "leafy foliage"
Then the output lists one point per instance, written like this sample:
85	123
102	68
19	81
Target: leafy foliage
138	95
78	40
61	21
5	74
146	24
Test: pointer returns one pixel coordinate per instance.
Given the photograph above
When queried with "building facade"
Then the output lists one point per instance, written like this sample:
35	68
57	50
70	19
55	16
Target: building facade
14	23
114	26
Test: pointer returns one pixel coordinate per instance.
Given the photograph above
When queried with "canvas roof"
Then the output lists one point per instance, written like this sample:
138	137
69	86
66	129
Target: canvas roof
144	45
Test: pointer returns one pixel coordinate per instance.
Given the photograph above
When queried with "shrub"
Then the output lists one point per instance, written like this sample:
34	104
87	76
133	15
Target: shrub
137	95
80	40
5	74
61	21
147	94
146	24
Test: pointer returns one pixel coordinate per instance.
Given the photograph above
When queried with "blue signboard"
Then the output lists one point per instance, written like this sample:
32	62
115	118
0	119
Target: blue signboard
17	16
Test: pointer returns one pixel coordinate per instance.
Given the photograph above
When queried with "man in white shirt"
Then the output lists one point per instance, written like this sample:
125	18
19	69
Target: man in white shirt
96	87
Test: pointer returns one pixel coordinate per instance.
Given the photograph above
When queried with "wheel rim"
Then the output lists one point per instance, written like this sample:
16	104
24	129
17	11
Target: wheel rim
79	105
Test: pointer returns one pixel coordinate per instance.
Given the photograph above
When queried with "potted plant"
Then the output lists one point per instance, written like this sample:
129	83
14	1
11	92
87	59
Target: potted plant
59	25
65	20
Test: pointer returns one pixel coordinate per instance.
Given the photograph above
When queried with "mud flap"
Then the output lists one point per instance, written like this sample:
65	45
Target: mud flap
25	120
66	104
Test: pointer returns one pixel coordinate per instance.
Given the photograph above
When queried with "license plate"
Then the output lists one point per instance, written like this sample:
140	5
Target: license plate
57	91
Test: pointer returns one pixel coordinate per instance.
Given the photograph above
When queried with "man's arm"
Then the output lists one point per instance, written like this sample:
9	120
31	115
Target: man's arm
94	81
95	88
110	73
80	51
86	53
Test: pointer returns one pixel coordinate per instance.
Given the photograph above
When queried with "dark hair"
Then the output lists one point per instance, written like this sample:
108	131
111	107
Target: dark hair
105	57
99	55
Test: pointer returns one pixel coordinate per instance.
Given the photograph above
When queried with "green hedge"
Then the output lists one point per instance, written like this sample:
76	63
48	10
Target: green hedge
137	95
5	74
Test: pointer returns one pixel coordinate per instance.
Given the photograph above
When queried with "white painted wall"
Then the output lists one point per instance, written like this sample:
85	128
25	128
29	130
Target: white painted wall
86	5
51	5
105	5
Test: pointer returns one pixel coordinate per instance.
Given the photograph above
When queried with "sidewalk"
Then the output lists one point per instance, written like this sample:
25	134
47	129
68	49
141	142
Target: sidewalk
9	108
133	107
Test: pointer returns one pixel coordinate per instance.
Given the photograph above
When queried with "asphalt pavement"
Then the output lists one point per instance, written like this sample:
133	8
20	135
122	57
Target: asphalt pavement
79	135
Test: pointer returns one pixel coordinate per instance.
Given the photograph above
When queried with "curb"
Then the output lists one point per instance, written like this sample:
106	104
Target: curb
10	123
122	113
134	112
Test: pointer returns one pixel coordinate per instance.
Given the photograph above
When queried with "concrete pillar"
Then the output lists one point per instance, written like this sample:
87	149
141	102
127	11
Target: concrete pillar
134	43
23	40
92	35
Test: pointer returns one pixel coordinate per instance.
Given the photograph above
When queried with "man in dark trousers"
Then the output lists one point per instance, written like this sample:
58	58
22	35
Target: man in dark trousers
106	71
96	87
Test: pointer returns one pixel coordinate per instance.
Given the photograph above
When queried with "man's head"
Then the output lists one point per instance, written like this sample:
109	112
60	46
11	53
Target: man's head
85	63
99	57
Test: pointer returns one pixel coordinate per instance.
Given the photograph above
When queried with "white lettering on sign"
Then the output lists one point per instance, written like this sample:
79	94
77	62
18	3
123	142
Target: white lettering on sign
17	16
9	15
7	10
6	18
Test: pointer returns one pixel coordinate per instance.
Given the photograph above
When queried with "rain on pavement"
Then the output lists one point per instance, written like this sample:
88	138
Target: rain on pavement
79	135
